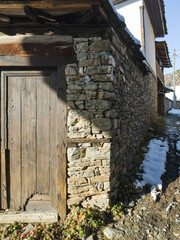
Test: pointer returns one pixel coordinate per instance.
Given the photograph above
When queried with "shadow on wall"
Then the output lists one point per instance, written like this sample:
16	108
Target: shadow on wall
101	109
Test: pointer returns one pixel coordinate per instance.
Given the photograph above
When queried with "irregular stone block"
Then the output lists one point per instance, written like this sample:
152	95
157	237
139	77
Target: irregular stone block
99	179
103	78
77	190
98	70
71	69
98	105
112	233
107	59
75	201
74	87
76	97
81	47
100	46
75	153
75	115
102	201
78	40
90	86
93	153
108	86
106	95
77	181
71	79
101	124
89	62
111	113
82	56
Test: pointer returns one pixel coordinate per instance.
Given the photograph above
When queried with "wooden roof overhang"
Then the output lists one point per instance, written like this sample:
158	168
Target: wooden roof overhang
59	16
73	17
55	7
156	13
162	51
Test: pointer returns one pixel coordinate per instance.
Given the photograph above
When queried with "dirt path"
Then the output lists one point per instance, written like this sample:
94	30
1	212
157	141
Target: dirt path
147	219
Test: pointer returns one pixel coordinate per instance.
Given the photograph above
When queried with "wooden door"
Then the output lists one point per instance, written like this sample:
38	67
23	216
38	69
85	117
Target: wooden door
29	140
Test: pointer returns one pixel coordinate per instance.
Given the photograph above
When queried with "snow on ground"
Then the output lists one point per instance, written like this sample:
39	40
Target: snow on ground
174	111
178	145
153	166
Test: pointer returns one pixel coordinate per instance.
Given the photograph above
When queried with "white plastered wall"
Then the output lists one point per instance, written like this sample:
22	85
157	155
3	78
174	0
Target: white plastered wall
149	42
130	10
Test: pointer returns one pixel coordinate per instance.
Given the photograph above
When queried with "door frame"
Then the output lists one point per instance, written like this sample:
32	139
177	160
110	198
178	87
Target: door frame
59	63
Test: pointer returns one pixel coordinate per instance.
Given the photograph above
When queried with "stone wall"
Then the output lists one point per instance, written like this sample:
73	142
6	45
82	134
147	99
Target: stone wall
110	104
168	104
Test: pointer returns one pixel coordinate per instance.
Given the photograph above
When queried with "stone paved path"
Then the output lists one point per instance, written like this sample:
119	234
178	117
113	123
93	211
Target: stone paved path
173	158
147	219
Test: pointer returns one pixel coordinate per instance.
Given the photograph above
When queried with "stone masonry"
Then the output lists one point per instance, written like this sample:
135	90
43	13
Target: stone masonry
110	104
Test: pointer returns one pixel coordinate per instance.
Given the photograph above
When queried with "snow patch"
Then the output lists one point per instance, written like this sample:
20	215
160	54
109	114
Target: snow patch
132	36
178	145
174	111
154	166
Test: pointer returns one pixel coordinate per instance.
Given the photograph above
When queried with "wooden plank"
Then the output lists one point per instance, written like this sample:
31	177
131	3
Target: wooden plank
86	30
43	119
61	144
39	45
53	138
60	5
14	141
4	200
28	112
87	140
35	49
3	111
30	217
35	61
3	185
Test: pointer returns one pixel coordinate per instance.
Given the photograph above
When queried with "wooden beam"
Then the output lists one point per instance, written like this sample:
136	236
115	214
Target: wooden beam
32	14
4	18
49	5
9	61
85	30
47	217
61	143
142	29
88	140
37	15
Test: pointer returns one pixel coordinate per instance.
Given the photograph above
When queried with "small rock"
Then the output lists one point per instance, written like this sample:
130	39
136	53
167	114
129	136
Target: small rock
151	129
90	238
116	218
28	228
132	204
144	208
144	149
113	234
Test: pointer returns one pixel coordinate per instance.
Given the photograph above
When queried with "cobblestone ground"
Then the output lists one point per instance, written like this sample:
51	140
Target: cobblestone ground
147	219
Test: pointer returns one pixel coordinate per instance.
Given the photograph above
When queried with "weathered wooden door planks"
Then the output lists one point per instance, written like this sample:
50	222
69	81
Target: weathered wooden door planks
29	132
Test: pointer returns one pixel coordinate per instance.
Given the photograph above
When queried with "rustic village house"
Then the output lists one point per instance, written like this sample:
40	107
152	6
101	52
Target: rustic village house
77	96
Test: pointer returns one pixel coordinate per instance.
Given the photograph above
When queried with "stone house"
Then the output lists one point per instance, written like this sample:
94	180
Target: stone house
77	98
